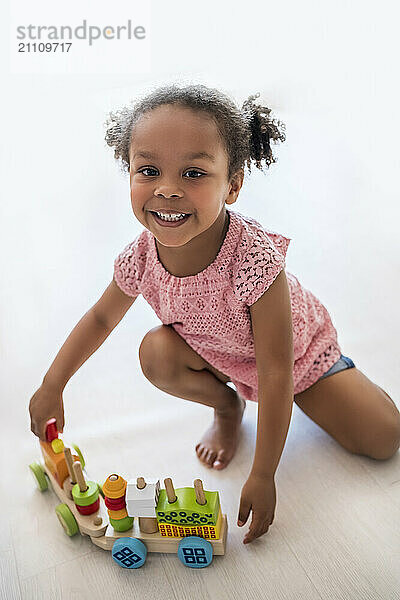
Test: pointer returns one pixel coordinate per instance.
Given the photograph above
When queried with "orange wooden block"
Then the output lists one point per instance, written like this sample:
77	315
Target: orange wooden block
117	514
56	463
114	486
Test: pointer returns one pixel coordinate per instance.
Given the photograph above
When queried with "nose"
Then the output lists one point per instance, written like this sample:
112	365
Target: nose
166	195
168	190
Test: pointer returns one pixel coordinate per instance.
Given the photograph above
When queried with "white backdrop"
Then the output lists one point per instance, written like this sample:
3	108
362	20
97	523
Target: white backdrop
327	69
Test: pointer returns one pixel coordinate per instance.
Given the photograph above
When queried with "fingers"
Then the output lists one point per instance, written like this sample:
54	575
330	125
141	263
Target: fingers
252	535
43	427
39	427
40	430
258	533
244	510
259	525
60	423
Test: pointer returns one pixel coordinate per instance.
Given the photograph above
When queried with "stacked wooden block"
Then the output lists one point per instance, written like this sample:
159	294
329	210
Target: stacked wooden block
189	511
142	501
114	498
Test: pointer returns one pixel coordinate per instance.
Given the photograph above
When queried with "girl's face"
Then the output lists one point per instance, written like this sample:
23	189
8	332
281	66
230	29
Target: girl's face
178	163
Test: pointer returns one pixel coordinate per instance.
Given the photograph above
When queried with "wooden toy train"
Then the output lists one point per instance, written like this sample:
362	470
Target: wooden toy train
186	520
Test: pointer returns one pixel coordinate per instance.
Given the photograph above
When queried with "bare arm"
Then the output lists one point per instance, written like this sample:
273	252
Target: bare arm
86	337
273	338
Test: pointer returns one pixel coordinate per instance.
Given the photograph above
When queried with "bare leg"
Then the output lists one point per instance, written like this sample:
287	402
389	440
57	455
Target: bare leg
175	368
355	411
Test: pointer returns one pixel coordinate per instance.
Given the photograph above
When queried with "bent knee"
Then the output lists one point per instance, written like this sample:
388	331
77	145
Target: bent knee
157	355
388	443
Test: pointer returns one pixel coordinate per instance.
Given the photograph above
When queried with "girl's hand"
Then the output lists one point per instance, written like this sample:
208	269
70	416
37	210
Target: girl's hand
46	403
258	494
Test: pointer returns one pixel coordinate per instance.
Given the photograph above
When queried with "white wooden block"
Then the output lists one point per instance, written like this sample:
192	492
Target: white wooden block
142	502
134	493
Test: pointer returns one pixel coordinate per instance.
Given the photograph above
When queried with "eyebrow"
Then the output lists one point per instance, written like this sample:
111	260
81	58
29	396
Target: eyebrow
190	155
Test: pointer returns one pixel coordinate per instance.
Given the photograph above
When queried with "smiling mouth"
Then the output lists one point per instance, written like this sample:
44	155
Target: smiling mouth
171	221
171	213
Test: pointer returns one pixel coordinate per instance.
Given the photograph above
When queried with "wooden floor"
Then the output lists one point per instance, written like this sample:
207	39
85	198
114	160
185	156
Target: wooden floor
335	533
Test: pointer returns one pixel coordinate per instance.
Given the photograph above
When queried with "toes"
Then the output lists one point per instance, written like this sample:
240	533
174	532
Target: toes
220	461
199	451
206	455
203	454
206	458
217	460
211	456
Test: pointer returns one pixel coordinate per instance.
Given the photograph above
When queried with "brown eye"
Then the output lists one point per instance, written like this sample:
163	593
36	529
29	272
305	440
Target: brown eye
196	172
147	169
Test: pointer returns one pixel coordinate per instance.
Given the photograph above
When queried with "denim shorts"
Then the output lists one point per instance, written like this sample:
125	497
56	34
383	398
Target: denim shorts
344	362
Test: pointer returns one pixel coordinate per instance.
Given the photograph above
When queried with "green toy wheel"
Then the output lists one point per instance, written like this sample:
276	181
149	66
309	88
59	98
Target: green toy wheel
67	519
80	455
39	476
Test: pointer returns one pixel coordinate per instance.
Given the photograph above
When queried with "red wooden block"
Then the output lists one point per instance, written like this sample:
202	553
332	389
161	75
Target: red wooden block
51	430
115	504
91	508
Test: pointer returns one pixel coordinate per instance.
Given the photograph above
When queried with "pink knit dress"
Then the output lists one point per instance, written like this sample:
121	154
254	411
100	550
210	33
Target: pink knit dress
210	310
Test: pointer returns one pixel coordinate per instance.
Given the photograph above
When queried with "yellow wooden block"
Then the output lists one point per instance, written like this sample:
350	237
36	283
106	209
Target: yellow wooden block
209	532
57	445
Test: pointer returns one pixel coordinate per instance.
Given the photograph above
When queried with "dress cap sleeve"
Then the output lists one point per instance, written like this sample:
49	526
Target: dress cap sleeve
126	269
260	266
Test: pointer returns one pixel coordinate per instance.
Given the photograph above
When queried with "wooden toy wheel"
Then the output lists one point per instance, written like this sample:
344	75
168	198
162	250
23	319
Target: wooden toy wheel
80	455
129	553
195	552
39	476
67	519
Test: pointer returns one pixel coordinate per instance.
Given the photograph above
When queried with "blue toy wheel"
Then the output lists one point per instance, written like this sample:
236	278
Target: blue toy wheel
195	552
129	553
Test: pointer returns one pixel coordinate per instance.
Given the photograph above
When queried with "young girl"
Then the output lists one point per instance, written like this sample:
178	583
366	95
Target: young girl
217	281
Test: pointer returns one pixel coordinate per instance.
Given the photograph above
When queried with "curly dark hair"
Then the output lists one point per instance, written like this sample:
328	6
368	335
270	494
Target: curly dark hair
246	133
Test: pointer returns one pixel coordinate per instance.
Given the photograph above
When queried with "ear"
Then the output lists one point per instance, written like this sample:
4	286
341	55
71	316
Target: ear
235	185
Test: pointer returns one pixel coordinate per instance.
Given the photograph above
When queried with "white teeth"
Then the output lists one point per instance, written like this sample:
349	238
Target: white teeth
171	217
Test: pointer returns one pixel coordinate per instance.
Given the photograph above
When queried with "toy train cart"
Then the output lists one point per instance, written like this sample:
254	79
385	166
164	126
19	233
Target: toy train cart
186	520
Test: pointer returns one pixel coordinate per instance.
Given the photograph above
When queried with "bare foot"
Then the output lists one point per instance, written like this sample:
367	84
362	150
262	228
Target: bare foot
218	445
